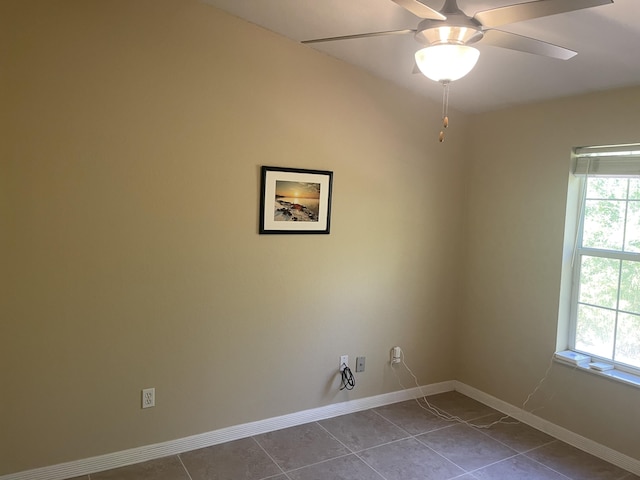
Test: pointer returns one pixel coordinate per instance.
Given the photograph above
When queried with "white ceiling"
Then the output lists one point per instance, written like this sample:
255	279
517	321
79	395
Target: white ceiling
607	39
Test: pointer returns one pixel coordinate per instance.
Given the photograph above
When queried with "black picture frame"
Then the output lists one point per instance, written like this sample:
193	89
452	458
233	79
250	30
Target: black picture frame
295	201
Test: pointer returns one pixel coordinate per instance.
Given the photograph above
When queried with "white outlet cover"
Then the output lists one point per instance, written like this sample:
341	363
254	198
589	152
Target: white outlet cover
148	397
344	360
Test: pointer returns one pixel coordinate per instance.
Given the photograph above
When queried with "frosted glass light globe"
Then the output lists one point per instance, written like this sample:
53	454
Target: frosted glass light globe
446	62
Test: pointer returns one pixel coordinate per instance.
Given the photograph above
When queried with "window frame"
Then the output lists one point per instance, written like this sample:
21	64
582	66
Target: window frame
630	161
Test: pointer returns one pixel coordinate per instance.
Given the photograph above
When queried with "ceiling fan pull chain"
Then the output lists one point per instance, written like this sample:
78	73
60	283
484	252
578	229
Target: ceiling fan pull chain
445	109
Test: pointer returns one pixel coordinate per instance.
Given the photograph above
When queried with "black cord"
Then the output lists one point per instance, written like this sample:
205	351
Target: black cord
348	380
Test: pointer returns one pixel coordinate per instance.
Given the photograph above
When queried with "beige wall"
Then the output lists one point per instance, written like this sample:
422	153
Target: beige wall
519	164
132	135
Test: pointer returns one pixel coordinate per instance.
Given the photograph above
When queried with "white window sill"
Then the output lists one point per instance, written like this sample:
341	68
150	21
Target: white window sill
614	374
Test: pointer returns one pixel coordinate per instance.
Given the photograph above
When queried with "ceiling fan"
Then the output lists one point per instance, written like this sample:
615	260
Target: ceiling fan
449	33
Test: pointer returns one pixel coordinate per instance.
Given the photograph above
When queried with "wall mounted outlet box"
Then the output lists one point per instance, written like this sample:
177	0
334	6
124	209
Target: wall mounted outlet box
344	361
360	364
148	397
396	352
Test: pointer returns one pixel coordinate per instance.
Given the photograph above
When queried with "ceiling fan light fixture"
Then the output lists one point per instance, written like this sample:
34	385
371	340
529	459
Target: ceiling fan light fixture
446	62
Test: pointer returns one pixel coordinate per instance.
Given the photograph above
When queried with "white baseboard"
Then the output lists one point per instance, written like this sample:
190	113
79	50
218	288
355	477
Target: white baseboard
567	436
173	447
150	452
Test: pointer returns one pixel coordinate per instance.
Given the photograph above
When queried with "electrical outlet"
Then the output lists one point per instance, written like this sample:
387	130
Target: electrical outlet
360	364
148	397
395	355
344	360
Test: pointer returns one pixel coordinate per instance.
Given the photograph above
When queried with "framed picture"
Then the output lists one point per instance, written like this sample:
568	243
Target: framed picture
294	200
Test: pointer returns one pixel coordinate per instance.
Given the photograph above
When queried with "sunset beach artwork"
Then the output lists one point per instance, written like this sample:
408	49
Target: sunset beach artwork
294	200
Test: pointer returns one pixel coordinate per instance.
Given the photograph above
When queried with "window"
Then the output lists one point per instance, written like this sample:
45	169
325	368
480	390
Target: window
605	320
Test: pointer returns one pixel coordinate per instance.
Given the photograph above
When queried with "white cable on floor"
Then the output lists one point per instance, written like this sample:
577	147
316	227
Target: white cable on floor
452	418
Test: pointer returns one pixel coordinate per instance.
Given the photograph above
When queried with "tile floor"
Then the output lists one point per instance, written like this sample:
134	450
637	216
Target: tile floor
395	442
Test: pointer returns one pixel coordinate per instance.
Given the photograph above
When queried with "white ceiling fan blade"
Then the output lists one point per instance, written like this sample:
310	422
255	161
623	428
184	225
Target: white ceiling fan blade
419	9
529	10
511	41
359	35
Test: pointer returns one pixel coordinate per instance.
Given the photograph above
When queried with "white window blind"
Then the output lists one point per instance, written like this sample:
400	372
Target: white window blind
614	160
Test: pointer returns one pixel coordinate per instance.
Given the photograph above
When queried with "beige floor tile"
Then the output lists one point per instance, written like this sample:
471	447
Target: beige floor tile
363	430
412	417
237	460
574	463
514	434
299	446
349	467
456	404
168	468
409	460
518	468
466	447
